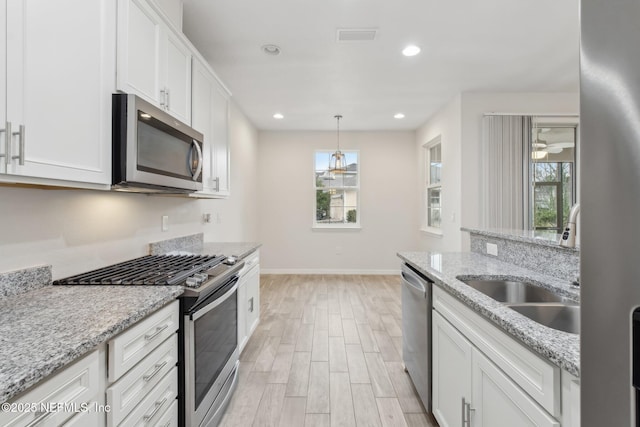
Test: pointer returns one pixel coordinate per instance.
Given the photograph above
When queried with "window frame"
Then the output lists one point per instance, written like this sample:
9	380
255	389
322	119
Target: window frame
338	225
428	185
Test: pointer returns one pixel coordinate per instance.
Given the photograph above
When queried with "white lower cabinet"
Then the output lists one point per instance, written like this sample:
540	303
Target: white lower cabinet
484	378
59	398
248	299
451	372
142	370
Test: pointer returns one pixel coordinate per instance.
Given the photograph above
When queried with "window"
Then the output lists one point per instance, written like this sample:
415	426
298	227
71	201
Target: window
553	161
433	182
337	194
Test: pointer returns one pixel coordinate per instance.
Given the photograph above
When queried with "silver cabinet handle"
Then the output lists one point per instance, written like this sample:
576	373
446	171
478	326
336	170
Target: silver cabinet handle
20	155
466	413
156	333
163	98
196	174
7	143
153	413
39	418
168	92
251	305
217	181
157	369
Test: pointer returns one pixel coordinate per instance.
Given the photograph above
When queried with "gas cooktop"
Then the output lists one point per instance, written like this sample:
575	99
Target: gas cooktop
185	270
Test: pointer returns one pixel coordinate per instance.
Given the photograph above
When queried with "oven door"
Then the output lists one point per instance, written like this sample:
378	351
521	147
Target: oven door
211	350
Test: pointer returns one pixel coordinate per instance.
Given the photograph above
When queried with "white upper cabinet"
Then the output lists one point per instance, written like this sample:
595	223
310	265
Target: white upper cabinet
153	62
210	112
57	72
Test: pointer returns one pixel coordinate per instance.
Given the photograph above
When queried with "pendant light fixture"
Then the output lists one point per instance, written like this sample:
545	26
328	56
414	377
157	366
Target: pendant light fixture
338	161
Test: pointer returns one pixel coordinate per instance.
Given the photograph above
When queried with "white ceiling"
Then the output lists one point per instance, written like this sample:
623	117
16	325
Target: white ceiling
467	45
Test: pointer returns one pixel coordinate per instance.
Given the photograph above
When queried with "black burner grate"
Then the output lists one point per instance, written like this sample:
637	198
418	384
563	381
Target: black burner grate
147	270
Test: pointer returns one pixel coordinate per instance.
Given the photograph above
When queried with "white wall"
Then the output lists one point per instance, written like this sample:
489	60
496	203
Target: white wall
446	125
75	230
286	203
474	106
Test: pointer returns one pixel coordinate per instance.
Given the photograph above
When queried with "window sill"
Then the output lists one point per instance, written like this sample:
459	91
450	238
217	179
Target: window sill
334	227
436	232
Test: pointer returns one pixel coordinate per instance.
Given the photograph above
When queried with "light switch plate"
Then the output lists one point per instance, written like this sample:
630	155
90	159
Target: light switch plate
492	249
165	222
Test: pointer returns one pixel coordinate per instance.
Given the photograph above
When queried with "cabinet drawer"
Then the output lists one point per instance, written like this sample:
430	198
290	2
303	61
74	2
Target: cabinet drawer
134	344
125	394
251	260
538	377
169	418
92	417
76	384
156	403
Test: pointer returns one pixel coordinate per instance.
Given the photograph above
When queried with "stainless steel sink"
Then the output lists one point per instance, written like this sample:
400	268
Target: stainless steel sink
507	291
564	317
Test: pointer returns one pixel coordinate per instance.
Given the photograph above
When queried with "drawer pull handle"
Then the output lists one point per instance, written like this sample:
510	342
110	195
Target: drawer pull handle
159	329
153	413
157	369
251	305
40	417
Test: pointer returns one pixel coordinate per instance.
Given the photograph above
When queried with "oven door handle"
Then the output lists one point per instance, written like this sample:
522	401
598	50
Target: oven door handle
208	307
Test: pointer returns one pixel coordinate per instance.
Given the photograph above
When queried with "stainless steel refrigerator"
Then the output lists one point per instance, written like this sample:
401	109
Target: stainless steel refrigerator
610	215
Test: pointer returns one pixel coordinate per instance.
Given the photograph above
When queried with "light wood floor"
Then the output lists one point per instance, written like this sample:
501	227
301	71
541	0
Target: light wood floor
327	352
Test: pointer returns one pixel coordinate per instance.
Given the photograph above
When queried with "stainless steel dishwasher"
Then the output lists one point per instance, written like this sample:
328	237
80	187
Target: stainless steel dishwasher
416	331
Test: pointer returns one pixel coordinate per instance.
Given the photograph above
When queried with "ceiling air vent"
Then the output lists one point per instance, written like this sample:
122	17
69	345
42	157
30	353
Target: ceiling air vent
357	35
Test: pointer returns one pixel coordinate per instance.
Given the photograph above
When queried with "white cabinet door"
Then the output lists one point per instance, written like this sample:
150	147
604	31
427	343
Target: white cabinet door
59	80
202	82
221	162
253	299
177	78
451	372
139	44
3	86
210	113
153	62
497	401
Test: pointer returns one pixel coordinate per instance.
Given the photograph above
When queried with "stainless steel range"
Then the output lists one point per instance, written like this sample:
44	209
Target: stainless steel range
208	333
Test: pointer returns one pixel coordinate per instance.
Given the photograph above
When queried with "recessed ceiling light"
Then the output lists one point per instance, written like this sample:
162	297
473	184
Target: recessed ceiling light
278	116
411	50
398	116
271	49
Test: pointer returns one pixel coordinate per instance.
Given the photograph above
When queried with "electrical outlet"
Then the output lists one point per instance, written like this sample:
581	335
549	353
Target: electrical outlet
165	222
492	249
206	218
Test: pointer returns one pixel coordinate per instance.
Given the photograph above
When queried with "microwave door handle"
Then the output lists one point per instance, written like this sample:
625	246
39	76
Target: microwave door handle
196	174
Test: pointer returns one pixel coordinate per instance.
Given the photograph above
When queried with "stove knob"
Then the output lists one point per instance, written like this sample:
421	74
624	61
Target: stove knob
201	277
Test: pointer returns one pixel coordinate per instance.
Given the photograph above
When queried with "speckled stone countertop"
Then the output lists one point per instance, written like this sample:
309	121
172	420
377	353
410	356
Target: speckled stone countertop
561	348
47	328
538	237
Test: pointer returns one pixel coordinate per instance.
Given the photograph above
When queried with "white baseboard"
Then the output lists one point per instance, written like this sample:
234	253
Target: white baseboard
321	271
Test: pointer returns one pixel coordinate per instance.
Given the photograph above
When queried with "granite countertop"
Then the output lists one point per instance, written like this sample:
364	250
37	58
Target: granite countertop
561	348
195	244
538	237
236	249
47	328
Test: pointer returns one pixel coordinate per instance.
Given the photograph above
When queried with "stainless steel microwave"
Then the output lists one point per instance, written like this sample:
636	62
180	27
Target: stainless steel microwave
152	151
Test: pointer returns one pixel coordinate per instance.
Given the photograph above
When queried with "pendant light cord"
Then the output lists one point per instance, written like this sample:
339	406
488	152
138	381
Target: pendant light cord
338	117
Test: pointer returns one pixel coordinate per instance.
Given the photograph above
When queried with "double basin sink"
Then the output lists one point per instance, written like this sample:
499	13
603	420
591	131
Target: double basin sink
532	301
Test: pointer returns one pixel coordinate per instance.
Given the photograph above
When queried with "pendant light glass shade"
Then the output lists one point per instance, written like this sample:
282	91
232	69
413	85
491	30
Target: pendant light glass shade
338	161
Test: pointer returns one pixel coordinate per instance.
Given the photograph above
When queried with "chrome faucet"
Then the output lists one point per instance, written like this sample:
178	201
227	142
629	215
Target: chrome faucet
568	238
